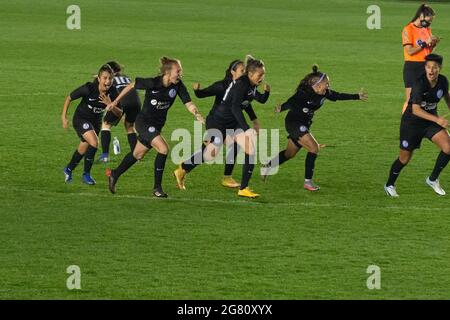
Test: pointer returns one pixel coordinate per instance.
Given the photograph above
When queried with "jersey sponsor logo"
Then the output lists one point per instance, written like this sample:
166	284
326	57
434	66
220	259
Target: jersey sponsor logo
303	129
428	105
405	144
172	93
95	109
305	110
245	103
85	126
92	99
154	102
440	93
151	129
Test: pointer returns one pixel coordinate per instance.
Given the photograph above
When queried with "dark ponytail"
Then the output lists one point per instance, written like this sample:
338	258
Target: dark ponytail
424	9
115	66
232	67
311	79
251	64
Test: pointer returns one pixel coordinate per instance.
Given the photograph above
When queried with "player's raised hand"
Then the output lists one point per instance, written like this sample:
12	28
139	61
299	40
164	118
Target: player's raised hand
196	86
442	122
266	87
277	108
65	123
105	99
363	95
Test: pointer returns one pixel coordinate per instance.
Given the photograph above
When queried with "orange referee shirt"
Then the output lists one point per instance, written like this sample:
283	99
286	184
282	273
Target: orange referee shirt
410	35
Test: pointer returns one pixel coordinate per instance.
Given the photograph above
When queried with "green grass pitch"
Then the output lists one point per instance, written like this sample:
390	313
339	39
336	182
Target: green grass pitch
206	243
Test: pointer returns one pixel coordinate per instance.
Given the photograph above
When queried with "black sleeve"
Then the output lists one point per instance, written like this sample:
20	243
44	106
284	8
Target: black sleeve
293	101
251	113
183	93
238	92
143	83
80	92
334	96
262	97
417	93
213	90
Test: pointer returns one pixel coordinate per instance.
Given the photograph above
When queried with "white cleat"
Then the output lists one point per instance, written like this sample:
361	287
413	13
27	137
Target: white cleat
436	186
390	191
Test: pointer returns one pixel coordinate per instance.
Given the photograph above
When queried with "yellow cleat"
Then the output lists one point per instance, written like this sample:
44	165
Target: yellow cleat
180	175
247	193
229	182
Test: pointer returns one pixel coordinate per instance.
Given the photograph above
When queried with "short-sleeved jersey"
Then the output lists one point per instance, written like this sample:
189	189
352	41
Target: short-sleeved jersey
218	89
304	103
425	96
132	98
90	107
238	96
158	99
411	36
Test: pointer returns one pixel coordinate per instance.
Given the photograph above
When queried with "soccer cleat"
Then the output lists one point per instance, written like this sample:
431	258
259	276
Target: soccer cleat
436	186
88	179
247	193
159	193
104	157
111	181
229	182
311	186
390	191
67	175
180	176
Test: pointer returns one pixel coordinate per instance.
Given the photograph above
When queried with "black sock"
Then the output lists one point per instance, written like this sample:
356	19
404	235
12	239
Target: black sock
247	170
281	158
160	163
231	160
89	158
76	158
105	137
132	140
310	164
441	163
194	160
396	168
126	163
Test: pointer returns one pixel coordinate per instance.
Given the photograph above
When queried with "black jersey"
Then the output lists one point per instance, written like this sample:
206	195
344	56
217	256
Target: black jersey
158	99
90	107
132	98
237	97
425	96
303	104
218	88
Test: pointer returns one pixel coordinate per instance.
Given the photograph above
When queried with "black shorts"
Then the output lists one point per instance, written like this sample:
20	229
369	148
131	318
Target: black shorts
296	130
130	111
216	131
413	131
412	70
82	125
146	131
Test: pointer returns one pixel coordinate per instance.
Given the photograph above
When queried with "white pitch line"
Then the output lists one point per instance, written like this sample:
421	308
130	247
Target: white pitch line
31	94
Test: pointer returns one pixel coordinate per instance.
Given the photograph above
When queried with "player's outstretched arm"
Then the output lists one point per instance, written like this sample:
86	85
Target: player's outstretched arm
192	108
65	121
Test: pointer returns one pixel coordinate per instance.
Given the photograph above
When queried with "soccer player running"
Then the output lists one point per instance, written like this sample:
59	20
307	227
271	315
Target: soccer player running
228	116
418	42
421	120
309	97
130	104
235	70
160	94
87	119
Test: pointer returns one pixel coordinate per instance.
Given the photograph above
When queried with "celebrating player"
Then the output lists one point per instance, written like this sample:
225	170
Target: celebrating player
217	89
160	94
309	97
421	120
87	119
418	42
130	104
228	115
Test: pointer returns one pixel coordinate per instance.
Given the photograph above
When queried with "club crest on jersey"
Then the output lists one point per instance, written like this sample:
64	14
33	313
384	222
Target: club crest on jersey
172	93
217	140
405	144
303	128
151	129
85	126
154	102
440	93
305	110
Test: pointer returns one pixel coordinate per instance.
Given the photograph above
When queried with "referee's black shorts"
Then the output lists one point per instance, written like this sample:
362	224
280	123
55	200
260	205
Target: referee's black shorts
412	70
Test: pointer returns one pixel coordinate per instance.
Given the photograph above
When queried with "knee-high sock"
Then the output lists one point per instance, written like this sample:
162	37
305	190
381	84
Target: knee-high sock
160	163
196	159
76	158
89	158
279	159
231	160
310	162
396	168
247	170
441	163
132	140
105	138
126	163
